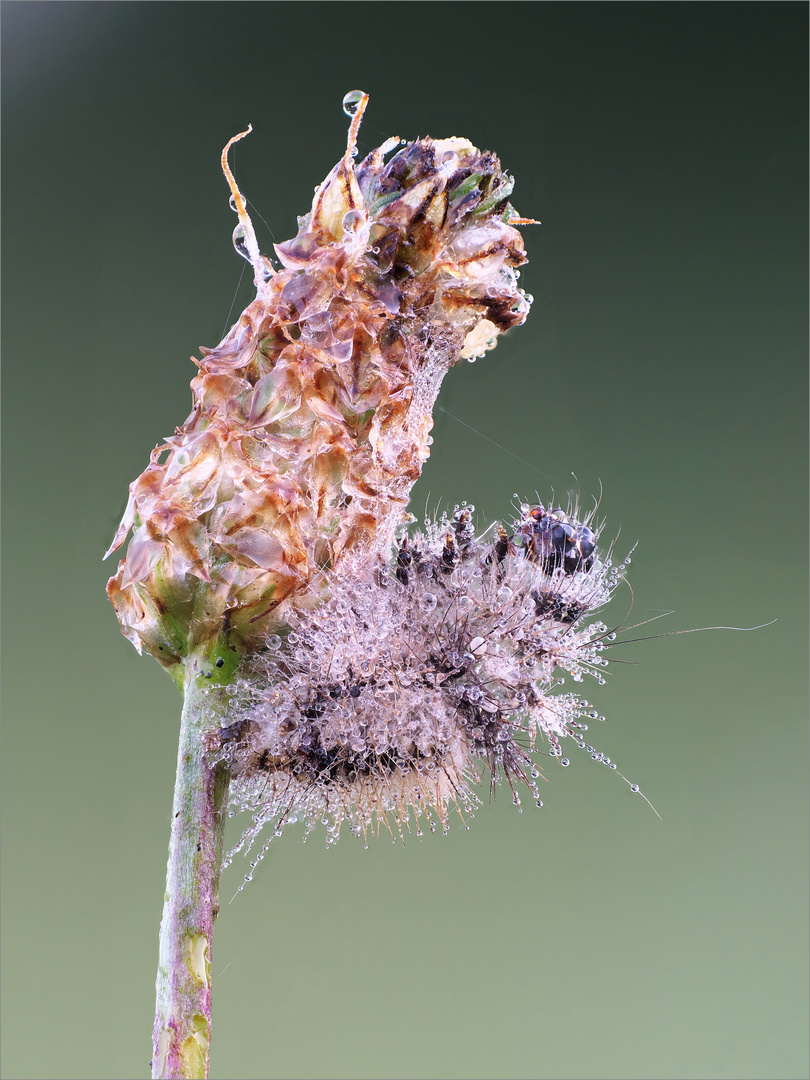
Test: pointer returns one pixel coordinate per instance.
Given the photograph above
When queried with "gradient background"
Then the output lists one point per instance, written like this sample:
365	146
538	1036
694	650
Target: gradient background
663	147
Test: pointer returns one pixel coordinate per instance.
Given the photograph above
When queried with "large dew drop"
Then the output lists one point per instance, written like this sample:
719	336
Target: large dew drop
240	242
352	101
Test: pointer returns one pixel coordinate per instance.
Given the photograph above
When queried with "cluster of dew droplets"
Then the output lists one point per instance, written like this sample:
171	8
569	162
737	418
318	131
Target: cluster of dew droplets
379	709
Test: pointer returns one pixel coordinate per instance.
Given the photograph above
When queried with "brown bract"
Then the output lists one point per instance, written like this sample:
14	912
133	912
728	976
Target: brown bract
310	420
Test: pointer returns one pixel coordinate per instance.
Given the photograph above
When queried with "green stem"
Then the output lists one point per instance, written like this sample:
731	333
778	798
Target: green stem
182	1032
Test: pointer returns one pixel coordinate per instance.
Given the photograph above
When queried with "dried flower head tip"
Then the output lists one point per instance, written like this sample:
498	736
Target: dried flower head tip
311	419
244	235
383	706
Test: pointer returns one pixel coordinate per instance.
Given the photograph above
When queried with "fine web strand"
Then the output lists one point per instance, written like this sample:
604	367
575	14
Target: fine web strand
500	447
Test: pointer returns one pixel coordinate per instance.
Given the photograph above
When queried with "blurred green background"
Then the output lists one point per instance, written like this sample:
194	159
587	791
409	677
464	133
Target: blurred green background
663	146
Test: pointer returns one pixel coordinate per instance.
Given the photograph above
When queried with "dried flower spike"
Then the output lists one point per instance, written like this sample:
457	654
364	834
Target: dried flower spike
311	419
310	424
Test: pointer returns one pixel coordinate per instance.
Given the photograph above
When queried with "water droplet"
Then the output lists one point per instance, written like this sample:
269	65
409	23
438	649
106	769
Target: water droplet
634	787
351	220
232	203
240	243
428	601
564	761
503	594
539	804
464	603
351	102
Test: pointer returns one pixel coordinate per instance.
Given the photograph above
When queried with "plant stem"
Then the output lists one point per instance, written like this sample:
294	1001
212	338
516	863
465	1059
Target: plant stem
182	1034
